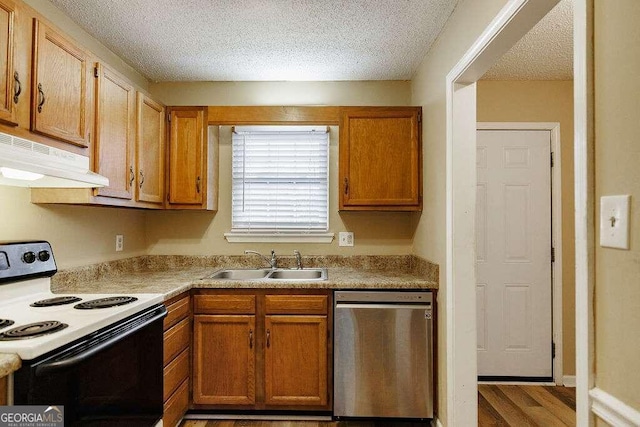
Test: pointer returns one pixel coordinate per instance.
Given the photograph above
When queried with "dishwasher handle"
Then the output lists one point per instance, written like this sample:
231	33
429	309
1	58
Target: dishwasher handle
378	306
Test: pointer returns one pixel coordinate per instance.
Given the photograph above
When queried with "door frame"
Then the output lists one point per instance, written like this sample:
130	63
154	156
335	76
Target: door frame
556	227
513	21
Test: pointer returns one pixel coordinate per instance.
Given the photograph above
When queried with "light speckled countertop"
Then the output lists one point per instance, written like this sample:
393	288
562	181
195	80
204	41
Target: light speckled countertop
172	275
174	282
9	363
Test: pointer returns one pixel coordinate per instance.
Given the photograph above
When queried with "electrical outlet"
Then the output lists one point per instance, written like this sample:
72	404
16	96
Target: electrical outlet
119	242
345	238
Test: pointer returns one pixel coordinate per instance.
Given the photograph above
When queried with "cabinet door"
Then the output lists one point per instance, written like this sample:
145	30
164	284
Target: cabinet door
380	158
186	154
150	151
224	360
113	151
60	93
7	42
296	360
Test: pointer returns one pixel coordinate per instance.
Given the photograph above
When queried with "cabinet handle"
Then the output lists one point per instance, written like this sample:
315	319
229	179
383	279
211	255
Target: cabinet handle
18	88
198	185
41	98
250	338
131	176
268	338
346	186
141	179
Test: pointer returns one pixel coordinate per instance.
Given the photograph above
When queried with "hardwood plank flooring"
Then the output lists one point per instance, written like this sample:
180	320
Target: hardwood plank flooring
498	405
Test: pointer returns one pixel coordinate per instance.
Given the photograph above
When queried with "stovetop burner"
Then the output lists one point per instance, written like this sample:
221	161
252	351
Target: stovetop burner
32	330
105	302
50	302
5	322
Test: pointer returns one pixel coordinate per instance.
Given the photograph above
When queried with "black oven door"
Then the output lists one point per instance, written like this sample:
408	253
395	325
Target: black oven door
111	378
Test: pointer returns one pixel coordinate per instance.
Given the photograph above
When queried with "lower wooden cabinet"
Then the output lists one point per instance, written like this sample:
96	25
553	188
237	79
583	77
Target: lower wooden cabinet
262	349
177	338
225	359
296	360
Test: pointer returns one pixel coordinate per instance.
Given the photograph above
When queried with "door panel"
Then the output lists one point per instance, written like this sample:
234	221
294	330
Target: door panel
150	148
60	94
7	27
115	103
224	360
513	253
296	360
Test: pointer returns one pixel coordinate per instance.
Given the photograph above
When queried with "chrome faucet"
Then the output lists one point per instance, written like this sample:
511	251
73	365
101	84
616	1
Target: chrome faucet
273	262
298	259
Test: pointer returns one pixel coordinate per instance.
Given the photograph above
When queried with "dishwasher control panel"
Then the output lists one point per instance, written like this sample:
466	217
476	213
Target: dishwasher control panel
390	297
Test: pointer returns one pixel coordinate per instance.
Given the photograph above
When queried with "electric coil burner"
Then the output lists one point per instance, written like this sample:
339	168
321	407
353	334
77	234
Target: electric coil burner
104	303
32	330
50	302
5	322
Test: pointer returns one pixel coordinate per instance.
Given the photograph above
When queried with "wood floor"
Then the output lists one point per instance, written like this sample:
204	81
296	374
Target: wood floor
498	405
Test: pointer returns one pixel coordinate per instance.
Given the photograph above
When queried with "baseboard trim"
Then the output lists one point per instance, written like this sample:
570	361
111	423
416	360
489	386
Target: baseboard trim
257	417
569	380
436	423
612	410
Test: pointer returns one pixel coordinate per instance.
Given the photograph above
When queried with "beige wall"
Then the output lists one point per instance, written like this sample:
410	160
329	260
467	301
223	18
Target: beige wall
544	101
428	90
284	93
79	235
203	233
617	158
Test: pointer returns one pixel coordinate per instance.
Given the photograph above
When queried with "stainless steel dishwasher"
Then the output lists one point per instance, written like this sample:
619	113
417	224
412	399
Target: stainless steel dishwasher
383	354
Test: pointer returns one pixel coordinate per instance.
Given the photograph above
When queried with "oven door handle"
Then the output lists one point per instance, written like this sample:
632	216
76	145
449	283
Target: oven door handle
45	368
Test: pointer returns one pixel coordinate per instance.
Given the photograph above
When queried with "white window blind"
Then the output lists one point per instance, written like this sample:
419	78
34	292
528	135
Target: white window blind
280	178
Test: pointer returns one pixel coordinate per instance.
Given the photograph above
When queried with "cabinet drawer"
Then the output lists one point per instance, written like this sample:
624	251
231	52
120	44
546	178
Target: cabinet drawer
176	312
176	339
176	406
175	373
296	304
224	304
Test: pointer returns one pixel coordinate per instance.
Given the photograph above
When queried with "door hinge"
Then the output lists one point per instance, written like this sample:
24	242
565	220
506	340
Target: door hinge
553	350
552	162
169	117
553	254
95	72
420	117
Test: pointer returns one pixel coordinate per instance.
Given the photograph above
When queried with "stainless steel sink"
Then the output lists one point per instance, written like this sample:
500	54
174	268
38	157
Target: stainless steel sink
241	274
269	274
304	274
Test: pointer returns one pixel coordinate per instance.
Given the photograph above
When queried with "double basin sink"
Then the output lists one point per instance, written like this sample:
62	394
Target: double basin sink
315	274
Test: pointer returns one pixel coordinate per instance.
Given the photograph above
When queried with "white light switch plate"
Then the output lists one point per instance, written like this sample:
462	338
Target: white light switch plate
614	221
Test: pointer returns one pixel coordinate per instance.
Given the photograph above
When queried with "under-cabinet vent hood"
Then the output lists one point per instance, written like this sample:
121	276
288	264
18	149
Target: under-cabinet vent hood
25	163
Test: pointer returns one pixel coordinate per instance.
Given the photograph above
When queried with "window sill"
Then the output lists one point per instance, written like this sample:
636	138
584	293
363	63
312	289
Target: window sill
235	237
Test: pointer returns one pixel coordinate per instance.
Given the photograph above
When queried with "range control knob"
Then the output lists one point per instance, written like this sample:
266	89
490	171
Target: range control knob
44	256
29	257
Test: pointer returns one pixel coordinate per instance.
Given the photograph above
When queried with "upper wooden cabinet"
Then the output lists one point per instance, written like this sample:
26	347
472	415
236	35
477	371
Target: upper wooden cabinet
9	79
380	158
115	133
150	150
191	161
60	90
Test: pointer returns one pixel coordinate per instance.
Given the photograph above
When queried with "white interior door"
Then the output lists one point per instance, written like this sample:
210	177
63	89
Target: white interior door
513	253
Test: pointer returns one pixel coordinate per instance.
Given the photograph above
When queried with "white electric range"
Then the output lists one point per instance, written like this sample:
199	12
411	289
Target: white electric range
97	355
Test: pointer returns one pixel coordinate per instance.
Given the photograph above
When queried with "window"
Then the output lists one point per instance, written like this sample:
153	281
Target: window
280	178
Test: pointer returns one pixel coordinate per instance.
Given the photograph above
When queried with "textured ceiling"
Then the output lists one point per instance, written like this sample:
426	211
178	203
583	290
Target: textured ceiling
200	40
544	53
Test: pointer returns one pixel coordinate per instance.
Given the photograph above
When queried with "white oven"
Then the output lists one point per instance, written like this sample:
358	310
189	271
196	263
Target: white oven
98	355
